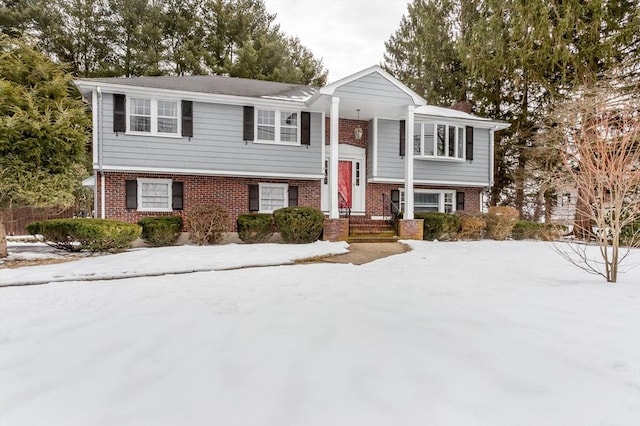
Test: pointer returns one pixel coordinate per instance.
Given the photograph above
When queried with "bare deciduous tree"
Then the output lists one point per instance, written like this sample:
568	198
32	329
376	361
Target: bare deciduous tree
597	138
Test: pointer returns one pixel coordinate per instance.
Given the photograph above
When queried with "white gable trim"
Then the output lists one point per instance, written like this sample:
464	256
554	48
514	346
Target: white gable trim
331	88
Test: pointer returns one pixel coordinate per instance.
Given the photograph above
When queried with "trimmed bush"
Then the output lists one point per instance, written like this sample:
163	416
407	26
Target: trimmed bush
439	226
472	227
161	230
96	235
299	225
525	229
500	222
206	223
255	228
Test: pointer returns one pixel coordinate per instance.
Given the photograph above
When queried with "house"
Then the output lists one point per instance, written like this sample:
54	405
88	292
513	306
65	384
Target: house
366	144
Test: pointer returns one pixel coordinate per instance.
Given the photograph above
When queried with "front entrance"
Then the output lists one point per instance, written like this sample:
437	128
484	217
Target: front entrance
351	180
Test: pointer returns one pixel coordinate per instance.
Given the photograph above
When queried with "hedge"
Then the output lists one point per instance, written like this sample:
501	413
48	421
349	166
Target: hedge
255	227
439	226
299	225
161	230
96	235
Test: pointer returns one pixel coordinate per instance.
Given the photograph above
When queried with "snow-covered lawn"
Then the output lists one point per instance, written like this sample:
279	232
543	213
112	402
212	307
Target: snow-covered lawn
477	333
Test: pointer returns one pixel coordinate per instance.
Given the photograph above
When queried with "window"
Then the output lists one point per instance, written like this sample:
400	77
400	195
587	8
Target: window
277	126
154	116
427	200
273	196
438	140
154	195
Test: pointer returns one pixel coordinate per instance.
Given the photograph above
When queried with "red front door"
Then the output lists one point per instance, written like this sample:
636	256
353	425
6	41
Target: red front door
344	184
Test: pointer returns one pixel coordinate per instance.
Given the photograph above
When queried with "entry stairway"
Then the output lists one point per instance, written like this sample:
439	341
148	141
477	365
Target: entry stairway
363	230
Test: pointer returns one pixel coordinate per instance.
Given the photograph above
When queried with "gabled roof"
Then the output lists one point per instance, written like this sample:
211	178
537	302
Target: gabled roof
331	88
215	84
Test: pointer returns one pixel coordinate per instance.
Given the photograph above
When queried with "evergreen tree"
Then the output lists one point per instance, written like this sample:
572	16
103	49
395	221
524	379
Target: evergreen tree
43	131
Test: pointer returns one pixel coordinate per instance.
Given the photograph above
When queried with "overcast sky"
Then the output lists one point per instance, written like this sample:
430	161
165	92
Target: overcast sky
348	35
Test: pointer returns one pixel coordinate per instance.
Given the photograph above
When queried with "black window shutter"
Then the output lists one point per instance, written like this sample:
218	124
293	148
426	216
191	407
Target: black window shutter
247	127
469	143
293	196
119	113
403	125
131	189
187	118
395	201
305	118
459	200
254	198
177	195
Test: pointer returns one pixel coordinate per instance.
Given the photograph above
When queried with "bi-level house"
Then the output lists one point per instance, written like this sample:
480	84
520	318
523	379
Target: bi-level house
366	144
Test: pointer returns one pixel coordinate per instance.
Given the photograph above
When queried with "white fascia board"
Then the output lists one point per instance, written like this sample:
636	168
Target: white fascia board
481	123
331	88
187	95
429	182
226	173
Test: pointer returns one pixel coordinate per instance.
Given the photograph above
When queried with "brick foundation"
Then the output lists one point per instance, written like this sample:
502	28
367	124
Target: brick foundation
335	229
411	229
232	193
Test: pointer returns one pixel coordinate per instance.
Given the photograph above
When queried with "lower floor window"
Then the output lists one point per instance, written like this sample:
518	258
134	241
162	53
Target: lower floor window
273	196
154	195
428	200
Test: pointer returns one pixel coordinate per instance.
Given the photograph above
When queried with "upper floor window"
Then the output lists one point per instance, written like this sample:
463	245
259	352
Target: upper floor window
153	116
277	126
439	140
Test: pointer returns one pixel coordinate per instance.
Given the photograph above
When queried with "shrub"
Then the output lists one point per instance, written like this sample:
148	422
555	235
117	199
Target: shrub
439	226
472	227
161	230
206	223
299	225
500	221
97	235
255	228
630	235
525	229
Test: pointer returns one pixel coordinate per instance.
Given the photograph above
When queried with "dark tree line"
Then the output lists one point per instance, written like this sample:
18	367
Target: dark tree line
99	38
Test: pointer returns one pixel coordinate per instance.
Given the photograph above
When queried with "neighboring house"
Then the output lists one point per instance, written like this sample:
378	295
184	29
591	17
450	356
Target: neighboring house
564	211
164	144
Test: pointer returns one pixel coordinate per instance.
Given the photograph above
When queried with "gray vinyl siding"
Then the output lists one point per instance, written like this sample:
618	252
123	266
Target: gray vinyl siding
391	165
370	150
374	88
216	145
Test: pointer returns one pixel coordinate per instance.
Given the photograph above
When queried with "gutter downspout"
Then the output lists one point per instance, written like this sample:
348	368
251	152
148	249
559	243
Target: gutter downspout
99	141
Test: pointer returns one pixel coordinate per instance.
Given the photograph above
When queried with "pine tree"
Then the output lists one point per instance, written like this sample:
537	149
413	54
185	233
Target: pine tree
43	131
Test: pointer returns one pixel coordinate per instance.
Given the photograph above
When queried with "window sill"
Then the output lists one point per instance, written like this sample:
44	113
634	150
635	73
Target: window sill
155	210
434	158
277	143
158	135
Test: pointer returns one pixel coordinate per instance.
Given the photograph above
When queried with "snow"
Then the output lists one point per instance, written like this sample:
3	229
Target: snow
161	260
465	333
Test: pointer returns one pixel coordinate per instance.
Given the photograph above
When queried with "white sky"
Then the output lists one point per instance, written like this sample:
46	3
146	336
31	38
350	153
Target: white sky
348	35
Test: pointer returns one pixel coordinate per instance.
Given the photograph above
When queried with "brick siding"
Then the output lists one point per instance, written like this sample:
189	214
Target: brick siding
231	193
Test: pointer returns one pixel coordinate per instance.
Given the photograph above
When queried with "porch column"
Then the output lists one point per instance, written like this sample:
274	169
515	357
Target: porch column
408	164
333	158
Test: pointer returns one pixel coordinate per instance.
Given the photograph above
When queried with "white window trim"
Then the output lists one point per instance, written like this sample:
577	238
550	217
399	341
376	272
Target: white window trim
434	142
168	182
277	140
154	117
441	202
272	185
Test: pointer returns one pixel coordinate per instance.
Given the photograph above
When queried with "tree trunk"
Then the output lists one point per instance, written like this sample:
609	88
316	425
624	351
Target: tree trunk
583	221
3	241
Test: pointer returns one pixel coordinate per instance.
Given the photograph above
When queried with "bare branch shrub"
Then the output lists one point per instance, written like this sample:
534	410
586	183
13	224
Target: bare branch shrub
597	137
500	222
206	223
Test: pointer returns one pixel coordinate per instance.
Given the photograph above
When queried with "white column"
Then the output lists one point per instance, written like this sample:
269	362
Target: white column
333	159
408	164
